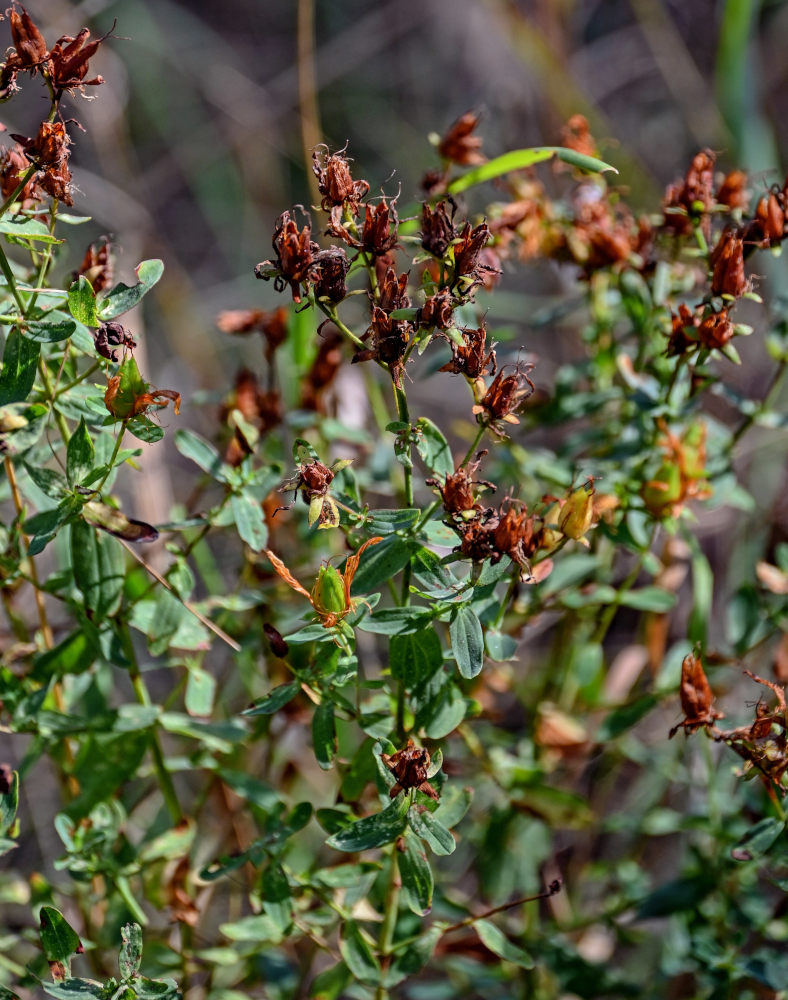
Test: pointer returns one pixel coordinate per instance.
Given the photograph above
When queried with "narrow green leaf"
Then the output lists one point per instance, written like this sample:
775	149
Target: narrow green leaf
396	621
432	831
759	839
416	875
373	831
99	565
358	955
433	448
80	455
274	700
324	736
131	950
501	946
518	159
18	374
124	297
200	692
248	516
467	641
648	599
415	657
202	453
76	989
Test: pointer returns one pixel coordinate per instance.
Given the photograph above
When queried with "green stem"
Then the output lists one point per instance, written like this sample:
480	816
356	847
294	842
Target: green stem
331	312
163	776
8	274
474	445
606	619
80	378
113	456
771	395
386	939
507	598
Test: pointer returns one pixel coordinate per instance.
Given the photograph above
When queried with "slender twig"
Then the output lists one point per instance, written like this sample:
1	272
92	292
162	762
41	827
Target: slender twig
551	890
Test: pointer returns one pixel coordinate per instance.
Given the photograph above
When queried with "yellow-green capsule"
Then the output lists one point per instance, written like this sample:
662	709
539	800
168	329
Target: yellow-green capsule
328	593
578	512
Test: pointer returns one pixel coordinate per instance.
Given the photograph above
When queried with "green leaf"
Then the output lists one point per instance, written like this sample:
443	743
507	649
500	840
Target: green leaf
9	801
58	939
445	713
99	565
385	522
29	230
155	989
50	331
20	362
416	875
202	453
467	641
433	448
380	563
678	896
396	621
759	839
73	655
274	700
82	302
373	831
259	928
45	525
76	989
105	763
415	657
124	297
432	831
412	958
501	946
200	692
331	983
51	483
358	955
648	599
499	646
131	950
80	455
324	736
145	429
277	898
623	718
131	386
518	159
249	520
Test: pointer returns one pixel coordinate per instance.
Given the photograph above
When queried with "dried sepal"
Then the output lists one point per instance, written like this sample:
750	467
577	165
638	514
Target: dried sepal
696	697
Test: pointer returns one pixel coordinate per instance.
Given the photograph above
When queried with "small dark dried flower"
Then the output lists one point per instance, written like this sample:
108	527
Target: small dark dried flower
715	330
696	697
330	274
438	312
13	166
390	339
732	192
410	767
295	256
505	396
278	645
70	61
28	40
335	182
515	535
457	489
768	225
437	229
476	536
727	263
97	265
379	230
112	335
692	198
471	360
460	145
392	291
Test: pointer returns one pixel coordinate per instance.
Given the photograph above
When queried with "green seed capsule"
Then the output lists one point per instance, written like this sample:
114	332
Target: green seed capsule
328	593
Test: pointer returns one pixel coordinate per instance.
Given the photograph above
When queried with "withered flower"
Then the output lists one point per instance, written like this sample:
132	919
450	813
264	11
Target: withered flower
271	324
505	396
467	252
476	536
29	43
727	263
733	192
112	335
6	776
13	166
693	198
390	338
600	236
437	228
576	135
680	340
470	359
295	256
457	489
97	265
392	291
70	59
379	230
276	640
330	274
460	145
438	311
410	767
715	330
763	745
313	481
696	697
515	535
335	182
768	226
49	151
138	405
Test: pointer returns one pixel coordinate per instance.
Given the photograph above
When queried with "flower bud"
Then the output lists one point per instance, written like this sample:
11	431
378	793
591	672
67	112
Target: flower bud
577	514
328	593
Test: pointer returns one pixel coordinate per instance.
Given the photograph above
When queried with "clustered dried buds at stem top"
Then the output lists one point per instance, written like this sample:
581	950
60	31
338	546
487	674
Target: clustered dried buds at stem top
330	272
390	339
295	256
467	250
379	230
335	182
438	312
457	489
410	767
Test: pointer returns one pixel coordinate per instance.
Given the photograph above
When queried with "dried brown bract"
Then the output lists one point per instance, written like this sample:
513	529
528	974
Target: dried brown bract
767	228
438	311
460	145
70	58
48	150
437	228
295	256
727	263
715	330
505	396
390	339
392	291
692	199
335	182
680	340
472	359
330	274
379	230
457	490
110	336
732	191
410	767
696	697
477	536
